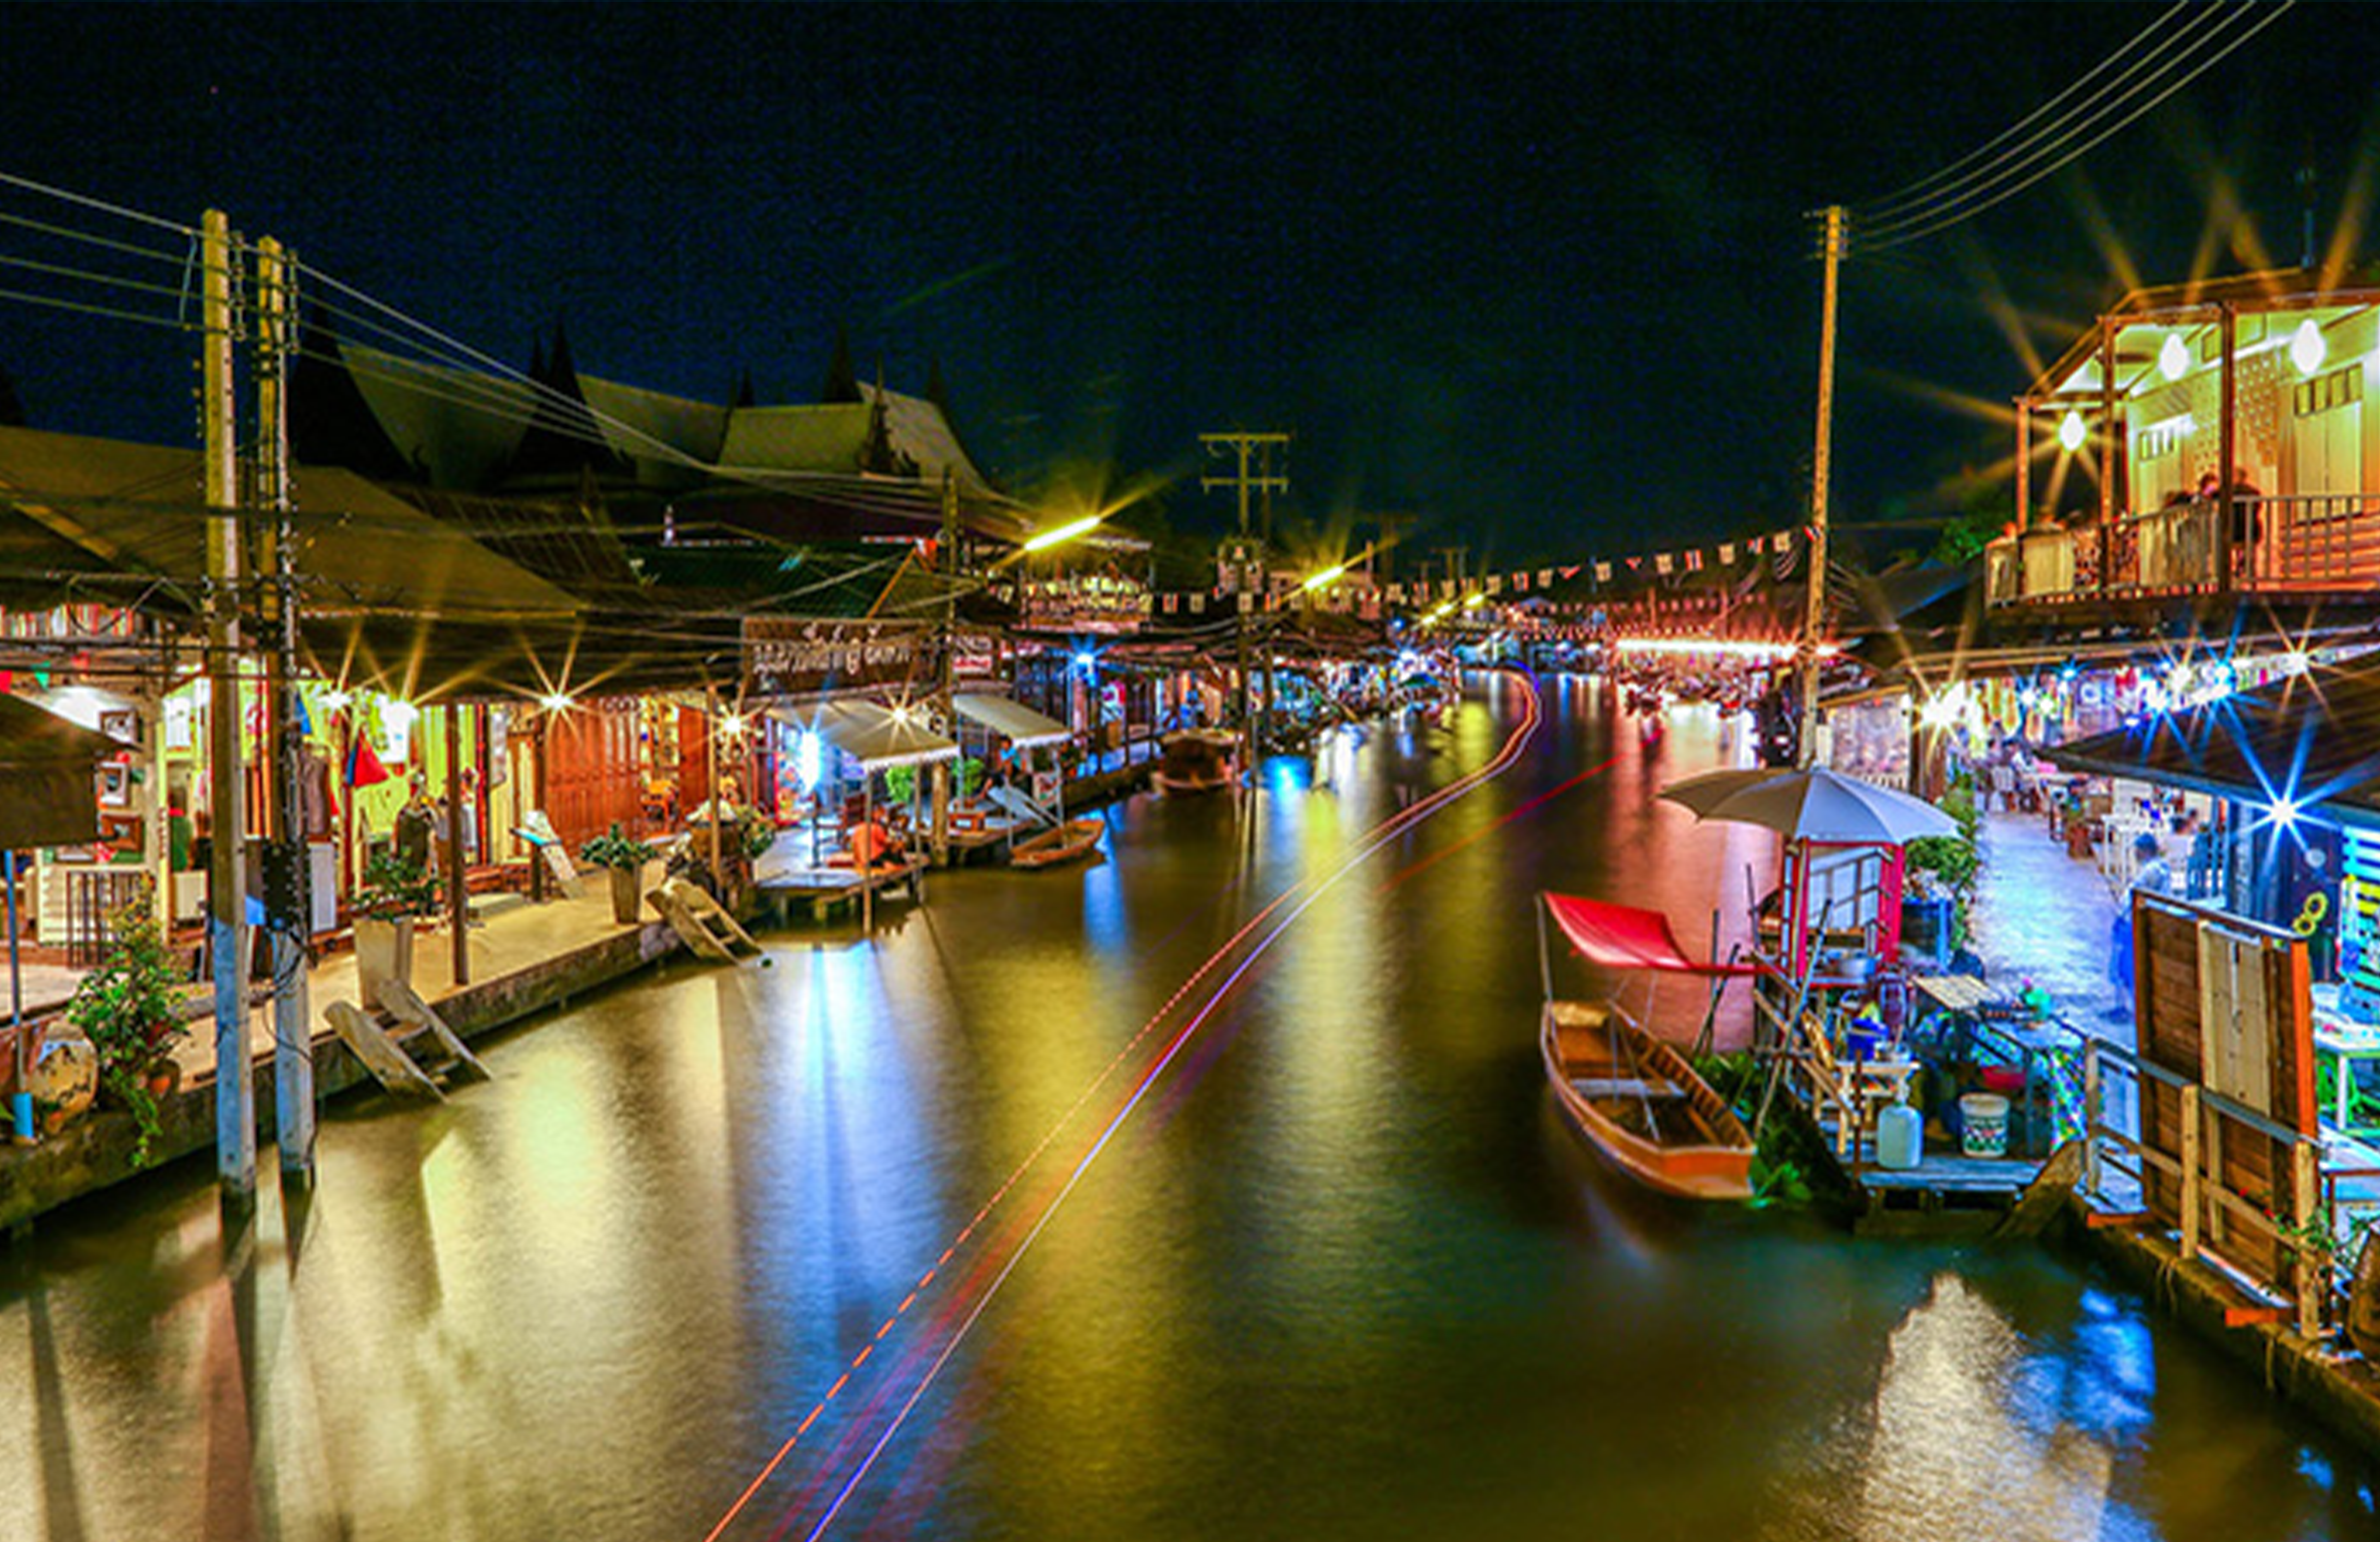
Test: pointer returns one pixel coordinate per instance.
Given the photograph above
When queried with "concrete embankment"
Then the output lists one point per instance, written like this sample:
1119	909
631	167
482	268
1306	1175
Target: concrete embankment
2342	1389
95	1150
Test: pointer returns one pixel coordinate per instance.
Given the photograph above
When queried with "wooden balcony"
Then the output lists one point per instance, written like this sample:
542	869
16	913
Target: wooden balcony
2313	546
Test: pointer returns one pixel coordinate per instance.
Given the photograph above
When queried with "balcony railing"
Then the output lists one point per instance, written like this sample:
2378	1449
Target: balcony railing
2316	542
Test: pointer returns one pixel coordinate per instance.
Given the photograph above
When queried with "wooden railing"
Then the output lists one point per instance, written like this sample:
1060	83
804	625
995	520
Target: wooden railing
2206	1206
2316	541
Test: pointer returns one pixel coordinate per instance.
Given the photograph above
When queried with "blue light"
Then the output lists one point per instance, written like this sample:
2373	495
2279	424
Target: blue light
1087	662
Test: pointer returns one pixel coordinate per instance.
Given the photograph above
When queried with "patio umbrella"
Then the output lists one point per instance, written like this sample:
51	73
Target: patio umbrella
1811	805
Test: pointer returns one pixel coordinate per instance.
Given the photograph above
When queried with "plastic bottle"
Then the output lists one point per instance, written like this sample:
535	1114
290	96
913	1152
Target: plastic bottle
1899	1135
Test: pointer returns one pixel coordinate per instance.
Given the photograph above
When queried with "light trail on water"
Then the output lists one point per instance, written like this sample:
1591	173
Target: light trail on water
983	1289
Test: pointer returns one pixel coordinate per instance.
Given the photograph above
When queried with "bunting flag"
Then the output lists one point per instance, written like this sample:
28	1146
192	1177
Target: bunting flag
1396	594
1495	583
1571	572
1786	558
1695	561
1546	576
1603	573
1662	562
1198	604
1727	553
1634	563
363	768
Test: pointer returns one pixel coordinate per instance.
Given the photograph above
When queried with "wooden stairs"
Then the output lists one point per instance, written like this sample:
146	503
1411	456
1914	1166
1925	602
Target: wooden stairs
701	923
406	1045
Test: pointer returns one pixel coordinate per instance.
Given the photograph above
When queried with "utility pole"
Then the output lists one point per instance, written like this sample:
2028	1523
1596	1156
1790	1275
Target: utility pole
1813	616
1256	479
287	902
226	805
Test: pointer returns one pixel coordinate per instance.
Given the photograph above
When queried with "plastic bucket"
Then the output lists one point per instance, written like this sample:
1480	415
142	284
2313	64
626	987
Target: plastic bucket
1984	1123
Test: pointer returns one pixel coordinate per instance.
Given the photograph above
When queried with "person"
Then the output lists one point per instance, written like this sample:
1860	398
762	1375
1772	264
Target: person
2151	875
417	824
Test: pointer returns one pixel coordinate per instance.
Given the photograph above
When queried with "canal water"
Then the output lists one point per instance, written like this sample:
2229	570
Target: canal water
1077	1206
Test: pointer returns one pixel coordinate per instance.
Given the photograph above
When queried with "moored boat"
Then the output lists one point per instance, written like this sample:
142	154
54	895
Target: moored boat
1630	1093
1196	761
1640	1104
1060	843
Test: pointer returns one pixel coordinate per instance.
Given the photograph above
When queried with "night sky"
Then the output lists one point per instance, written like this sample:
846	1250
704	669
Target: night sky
1539	274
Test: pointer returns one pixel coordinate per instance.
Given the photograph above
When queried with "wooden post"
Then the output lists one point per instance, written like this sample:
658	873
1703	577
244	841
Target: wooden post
718	803
2314	1269
2092	1116
458	892
2192	1202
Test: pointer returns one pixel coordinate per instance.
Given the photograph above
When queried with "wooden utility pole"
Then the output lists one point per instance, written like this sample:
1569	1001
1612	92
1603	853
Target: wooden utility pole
227	802
1258	479
288	907
1813	615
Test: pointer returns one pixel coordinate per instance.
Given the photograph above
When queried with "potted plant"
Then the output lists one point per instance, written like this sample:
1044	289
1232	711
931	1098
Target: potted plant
128	1009
394	893
625	856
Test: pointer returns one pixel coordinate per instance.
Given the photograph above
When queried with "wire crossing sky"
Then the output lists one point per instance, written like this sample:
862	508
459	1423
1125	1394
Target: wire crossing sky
1533	275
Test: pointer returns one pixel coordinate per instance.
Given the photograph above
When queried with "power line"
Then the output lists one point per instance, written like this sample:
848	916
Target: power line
1915	227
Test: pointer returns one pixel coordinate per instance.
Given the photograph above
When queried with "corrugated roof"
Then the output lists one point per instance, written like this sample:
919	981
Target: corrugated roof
139	508
2312	738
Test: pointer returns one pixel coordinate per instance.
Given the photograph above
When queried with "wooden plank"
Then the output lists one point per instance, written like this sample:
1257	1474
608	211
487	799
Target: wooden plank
381	1055
406	1006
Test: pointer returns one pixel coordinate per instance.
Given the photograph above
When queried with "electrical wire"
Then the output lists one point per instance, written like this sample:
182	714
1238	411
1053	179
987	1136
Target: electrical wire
1921	191
1900	233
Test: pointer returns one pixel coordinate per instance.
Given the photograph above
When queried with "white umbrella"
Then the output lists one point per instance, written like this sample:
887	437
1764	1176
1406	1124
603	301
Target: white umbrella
1811	805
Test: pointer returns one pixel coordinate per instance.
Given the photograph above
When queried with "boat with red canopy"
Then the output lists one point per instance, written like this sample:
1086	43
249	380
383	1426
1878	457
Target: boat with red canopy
1631	1094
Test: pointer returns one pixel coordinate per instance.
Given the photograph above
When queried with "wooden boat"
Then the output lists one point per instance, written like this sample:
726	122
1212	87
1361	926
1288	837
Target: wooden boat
1196	761
1634	1099
1060	843
1632	1094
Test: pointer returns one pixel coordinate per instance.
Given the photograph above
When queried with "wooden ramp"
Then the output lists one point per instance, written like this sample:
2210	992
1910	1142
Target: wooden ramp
416	1054
700	922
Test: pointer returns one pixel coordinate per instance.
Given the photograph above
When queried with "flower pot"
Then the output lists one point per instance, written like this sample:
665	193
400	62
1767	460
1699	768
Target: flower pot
628	896
383	953
164	1079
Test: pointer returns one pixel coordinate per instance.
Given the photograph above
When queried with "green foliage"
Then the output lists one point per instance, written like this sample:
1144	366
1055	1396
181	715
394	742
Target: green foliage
396	890
1984	511
619	851
127	1008
900	783
970	775
756	830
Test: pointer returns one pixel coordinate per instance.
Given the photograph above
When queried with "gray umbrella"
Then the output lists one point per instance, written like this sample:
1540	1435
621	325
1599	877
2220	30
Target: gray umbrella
1811	805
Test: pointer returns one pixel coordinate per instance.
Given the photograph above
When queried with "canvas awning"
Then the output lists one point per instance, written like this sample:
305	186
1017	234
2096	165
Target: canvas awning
1623	937
1013	720
47	764
877	737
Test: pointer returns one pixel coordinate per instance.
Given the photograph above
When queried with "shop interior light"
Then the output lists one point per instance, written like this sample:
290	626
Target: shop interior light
337	700
1325	578
2173	357
2070	431
732	726
555	701
2285	812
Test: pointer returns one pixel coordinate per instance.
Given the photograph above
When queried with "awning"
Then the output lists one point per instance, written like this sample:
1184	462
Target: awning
48	764
2313	740
1013	720
1622	937
877	737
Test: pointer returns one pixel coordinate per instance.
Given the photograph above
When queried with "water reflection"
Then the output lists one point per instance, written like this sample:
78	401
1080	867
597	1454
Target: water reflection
1013	1223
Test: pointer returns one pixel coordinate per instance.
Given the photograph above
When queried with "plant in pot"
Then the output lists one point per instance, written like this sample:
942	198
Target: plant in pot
394	893
624	857
128	1009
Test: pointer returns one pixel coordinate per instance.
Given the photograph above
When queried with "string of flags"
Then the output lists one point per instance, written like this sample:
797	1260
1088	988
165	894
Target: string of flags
1774	556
